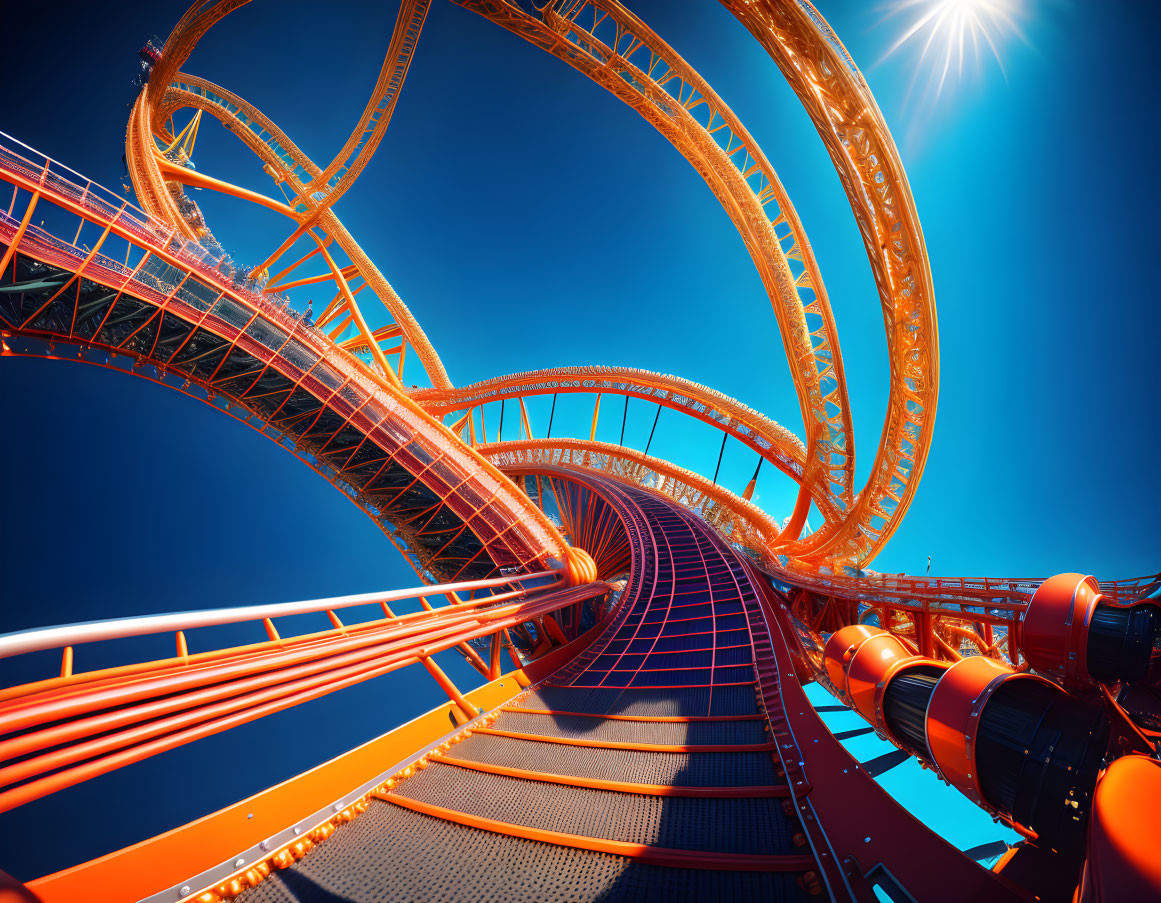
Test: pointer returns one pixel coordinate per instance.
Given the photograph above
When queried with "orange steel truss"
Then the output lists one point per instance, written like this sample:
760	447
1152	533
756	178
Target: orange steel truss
608	43
835	95
173	276
772	441
156	706
526	530
313	190
735	518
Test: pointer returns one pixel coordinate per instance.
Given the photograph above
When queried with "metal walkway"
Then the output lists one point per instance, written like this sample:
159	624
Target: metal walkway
643	772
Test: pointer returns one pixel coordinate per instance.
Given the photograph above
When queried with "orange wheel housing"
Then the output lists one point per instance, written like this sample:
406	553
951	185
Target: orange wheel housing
839	650
580	565
1054	632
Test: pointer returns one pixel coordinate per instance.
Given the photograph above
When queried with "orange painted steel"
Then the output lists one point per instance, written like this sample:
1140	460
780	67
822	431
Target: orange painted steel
640	852
868	668
151	866
640	747
614	48
839	650
285	162
836	97
1122	862
622	54
78	725
1053	633
200	700
526	527
737	519
776	791
664	719
952	718
773	442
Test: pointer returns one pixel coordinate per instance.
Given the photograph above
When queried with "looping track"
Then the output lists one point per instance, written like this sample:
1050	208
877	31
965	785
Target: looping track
664	763
609	44
665	750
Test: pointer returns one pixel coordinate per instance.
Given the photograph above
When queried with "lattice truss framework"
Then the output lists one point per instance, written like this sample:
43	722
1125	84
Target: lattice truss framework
606	42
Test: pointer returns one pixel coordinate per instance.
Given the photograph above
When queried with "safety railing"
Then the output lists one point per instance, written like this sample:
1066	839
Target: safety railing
874	587
512	527
946	618
61	731
738	521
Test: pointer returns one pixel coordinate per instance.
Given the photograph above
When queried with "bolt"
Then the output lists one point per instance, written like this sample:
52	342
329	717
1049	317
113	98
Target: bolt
185	890
239	862
297	830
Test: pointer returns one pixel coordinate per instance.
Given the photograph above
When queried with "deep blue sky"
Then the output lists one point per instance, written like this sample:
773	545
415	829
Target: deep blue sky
530	220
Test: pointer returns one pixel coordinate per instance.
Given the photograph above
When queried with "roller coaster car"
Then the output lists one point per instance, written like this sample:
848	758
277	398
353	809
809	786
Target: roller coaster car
1014	743
1072	632
149	54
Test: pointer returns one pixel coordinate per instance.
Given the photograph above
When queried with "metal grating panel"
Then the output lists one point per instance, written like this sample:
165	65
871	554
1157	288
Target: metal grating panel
630	766
669	733
390	854
755	826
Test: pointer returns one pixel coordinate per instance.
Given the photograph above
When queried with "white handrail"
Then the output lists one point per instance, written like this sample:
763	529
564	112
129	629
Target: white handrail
41	638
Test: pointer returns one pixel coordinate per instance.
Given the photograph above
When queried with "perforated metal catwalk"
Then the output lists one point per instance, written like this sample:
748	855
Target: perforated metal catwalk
643	771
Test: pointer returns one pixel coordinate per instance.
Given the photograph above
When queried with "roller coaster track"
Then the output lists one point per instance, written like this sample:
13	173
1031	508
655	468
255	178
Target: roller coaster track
669	95
773	442
314	190
842	108
736	519
654	737
613	47
172	311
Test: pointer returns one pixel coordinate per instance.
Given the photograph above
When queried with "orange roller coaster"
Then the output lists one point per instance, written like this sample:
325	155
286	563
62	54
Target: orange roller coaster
665	666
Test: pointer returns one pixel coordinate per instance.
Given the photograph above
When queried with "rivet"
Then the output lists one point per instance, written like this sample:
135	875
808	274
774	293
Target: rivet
185	890
297	830
239	862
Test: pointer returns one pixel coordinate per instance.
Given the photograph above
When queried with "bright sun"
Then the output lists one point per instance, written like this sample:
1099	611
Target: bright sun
952	32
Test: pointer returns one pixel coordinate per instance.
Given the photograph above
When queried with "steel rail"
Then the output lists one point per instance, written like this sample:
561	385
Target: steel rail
816	370
735	518
35	640
121	727
130	685
773	442
840	104
487	483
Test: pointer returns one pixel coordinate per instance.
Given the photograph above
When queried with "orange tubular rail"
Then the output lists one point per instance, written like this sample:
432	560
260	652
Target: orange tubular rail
453	471
620	53
169	90
270	144
735	518
55	739
772	441
843	110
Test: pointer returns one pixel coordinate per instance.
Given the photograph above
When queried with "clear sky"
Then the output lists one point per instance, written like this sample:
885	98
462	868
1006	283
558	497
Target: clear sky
531	220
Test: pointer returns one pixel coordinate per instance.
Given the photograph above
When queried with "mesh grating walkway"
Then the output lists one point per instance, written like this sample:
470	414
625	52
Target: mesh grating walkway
643	772
389	854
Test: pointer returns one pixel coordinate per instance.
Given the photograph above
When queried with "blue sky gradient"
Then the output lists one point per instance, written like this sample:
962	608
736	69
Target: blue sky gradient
530	220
